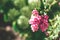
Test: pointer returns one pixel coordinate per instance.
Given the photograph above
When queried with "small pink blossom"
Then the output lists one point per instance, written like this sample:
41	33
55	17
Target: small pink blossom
34	27
43	27
47	34
39	17
35	19
44	23
59	3
46	17
35	12
38	21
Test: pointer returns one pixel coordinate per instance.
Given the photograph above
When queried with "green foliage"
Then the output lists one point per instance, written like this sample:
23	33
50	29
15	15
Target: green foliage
26	11
19	3
34	4
19	12
12	14
22	22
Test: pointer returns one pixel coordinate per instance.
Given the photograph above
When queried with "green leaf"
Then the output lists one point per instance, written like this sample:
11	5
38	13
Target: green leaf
22	22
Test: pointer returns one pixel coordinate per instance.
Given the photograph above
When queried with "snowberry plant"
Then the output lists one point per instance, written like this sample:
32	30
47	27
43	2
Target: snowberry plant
46	19
38	21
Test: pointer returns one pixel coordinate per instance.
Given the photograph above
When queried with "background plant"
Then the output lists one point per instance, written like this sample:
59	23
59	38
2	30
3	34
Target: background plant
17	13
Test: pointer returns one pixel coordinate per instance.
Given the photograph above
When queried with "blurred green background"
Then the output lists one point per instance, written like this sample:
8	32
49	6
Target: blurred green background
18	12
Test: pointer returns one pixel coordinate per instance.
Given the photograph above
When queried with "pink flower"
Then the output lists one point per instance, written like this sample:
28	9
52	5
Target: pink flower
33	21
39	17
43	27
46	17
59	3
34	27
44	23
37	20
35	12
47	34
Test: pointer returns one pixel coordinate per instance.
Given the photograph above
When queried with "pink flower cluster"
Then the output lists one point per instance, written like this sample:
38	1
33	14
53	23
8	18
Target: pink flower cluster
38	21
